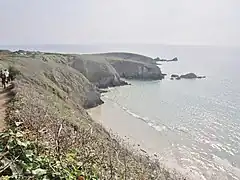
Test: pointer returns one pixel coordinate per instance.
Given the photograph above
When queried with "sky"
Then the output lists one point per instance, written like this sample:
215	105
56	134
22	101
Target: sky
178	22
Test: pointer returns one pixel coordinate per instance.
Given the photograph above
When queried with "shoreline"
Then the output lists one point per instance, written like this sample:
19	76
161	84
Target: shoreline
137	136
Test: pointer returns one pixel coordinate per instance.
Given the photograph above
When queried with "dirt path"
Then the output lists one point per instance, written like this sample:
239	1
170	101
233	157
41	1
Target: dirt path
4	98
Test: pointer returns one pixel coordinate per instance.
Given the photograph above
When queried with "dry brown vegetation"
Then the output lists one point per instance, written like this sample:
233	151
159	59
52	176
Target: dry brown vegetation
60	126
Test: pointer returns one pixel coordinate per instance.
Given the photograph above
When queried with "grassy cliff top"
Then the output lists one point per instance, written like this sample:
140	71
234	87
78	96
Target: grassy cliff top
52	135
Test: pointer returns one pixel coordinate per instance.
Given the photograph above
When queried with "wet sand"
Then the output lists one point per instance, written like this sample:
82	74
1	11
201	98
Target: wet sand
138	135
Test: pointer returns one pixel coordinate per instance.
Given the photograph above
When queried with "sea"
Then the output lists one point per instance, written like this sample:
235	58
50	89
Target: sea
193	125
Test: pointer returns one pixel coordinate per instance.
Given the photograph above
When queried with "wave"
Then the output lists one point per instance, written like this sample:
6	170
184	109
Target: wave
152	123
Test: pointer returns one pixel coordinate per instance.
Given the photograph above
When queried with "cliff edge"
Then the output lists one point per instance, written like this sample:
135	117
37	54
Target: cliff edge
133	66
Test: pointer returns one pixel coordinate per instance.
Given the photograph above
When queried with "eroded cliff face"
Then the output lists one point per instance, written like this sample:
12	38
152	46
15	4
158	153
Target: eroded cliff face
133	66
137	70
97	70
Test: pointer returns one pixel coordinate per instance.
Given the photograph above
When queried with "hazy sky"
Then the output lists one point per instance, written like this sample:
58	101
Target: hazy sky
198	22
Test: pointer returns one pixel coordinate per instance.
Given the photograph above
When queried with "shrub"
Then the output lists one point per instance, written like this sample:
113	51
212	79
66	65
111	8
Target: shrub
24	159
13	72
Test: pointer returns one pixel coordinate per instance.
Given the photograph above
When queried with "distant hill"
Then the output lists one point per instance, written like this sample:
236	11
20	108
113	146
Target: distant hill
131	66
129	56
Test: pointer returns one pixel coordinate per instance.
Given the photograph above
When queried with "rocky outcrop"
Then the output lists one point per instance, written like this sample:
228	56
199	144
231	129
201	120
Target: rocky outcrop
97	70
166	60
186	76
131	66
189	76
137	70
134	66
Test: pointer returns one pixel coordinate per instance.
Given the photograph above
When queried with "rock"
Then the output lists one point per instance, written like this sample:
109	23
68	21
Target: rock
178	78
137	70
200	77
92	100
189	76
97	70
157	59
171	78
174	76
131	66
174	59
101	91
166	60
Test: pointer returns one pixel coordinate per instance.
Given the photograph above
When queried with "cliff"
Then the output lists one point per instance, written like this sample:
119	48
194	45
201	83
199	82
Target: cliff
51	136
49	72
137	70
97	70
128	56
133	66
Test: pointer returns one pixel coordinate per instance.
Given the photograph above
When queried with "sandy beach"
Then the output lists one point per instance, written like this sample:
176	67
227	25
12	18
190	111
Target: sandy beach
138	135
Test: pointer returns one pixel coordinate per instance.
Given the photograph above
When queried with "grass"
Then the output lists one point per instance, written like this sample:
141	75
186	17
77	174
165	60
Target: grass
53	137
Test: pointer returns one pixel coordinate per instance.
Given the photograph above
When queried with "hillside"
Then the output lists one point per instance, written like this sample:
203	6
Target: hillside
132	66
97	70
129	56
52	136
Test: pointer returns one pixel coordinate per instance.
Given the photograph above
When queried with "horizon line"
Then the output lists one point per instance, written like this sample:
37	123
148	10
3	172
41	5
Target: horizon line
93	44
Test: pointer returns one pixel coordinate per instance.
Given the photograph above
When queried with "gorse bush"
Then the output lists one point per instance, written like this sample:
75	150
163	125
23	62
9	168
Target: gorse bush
24	159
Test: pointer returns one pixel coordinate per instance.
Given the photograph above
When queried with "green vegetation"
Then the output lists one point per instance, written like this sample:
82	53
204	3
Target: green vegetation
51	136
13	71
27	159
